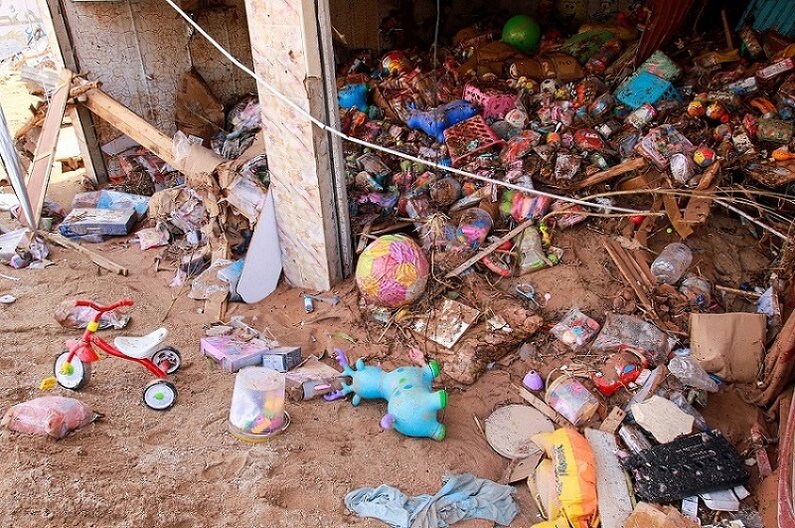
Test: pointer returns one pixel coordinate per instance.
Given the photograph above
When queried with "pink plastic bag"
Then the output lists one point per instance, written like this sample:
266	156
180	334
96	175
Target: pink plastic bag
52	416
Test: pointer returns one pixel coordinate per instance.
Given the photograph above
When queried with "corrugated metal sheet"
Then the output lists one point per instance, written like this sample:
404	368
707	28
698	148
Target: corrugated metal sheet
771	14
666	17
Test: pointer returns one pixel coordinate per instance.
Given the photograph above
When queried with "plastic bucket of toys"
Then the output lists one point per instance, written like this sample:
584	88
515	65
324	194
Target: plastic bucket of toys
257	411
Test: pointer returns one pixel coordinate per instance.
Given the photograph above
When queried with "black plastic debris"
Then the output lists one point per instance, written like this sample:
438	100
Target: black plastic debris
690	465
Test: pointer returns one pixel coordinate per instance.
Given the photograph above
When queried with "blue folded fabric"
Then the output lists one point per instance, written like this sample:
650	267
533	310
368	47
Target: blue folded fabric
461	497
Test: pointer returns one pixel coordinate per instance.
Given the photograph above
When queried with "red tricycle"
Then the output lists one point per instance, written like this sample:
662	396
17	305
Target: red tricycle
72	367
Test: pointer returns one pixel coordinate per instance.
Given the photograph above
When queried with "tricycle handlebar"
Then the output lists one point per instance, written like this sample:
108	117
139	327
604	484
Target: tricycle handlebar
103	309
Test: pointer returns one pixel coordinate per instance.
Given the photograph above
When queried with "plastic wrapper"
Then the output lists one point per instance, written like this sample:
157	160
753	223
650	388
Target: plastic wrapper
690	373
70	316
572	399
661	143
152	237
473	227
682	168
567	166
626	332
574	472
575	330
208	282
52	416
520	146
574	215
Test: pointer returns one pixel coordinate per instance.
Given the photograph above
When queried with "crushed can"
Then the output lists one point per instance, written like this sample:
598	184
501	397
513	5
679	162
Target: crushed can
642	116
600	108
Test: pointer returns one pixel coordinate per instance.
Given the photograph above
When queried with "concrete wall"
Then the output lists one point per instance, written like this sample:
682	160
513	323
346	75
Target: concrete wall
139	49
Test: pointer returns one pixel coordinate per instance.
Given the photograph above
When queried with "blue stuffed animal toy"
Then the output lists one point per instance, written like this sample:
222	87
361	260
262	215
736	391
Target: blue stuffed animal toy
412	403
436	120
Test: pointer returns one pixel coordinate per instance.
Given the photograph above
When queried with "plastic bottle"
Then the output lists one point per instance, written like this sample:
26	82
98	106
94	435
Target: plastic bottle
671	263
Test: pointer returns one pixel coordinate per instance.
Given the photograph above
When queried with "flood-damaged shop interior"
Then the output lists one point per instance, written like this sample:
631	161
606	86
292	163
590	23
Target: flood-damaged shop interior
544	248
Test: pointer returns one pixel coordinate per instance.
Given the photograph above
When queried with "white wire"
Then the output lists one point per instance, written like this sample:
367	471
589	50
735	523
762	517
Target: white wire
278	95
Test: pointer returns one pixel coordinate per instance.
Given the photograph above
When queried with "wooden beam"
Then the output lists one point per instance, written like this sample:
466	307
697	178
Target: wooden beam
40	170
130	123
542	406
613	172
59	36
96	258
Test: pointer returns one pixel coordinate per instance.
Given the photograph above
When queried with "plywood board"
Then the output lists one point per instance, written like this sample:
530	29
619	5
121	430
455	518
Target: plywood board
509	430
40	170
615	504
263	264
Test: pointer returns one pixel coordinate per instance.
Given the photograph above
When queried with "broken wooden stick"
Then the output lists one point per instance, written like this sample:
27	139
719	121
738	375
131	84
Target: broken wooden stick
542	406
490	249
630	273
96	258
40	170
613	172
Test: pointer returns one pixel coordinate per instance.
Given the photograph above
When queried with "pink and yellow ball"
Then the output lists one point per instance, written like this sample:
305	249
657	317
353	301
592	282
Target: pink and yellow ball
392	271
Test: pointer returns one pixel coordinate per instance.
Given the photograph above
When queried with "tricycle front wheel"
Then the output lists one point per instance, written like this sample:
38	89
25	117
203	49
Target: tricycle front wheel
160	395
73	374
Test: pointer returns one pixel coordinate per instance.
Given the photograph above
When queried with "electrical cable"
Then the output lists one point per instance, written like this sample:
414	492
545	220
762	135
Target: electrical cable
281	97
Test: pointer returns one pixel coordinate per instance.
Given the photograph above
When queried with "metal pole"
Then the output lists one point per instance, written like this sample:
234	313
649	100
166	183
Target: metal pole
10	159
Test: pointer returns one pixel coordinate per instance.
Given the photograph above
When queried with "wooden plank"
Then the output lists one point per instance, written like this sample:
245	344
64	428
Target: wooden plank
615	503
613	420
130	123
613	172
60	41
96	258
675	216
40	170
488	250
541	405
629	276
337	161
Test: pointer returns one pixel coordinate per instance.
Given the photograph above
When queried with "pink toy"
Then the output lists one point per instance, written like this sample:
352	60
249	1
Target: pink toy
496	99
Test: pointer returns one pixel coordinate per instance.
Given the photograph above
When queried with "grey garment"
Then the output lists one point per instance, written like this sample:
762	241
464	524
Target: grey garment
461	497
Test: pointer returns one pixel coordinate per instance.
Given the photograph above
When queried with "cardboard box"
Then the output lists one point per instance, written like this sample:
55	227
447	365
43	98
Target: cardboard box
282	359
88	221
233	354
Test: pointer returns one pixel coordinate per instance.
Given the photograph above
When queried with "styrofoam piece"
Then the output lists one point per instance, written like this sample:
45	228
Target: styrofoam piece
263	264
615	504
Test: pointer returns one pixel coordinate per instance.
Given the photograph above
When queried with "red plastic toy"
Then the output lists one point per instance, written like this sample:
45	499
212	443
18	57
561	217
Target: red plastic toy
72	368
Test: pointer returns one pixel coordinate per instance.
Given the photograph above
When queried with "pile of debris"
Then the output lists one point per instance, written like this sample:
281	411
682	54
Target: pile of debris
489	148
